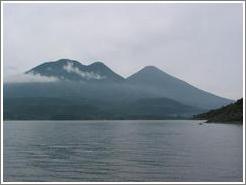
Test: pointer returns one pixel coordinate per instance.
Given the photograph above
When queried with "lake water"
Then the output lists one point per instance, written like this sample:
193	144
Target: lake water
176	150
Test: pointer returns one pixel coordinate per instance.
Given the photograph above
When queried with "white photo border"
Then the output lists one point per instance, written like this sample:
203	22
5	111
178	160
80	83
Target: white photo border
119	2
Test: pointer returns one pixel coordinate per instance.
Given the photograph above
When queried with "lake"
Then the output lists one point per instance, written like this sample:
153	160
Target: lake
167	150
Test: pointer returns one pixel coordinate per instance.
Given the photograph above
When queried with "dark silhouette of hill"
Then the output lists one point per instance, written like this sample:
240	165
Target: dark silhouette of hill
230	113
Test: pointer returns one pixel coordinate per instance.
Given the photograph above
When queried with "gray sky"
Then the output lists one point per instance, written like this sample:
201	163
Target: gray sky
201	44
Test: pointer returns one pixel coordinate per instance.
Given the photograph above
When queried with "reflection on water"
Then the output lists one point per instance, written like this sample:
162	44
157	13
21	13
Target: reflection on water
174	150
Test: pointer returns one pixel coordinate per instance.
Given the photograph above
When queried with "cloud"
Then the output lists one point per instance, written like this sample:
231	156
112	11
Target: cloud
201	43
29	78
70	68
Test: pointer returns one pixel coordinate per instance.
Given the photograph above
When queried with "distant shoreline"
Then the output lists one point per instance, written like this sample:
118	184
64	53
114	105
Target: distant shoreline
102	120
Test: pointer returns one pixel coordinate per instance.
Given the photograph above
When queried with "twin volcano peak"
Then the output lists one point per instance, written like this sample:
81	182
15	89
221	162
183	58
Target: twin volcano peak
66	69
75	62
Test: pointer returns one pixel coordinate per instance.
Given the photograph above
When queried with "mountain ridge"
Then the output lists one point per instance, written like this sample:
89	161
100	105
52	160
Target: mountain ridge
147	94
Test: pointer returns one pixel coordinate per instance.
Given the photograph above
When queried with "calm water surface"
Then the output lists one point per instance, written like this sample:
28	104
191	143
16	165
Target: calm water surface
122	151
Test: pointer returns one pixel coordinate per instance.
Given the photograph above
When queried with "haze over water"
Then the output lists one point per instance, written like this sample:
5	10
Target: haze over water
177	150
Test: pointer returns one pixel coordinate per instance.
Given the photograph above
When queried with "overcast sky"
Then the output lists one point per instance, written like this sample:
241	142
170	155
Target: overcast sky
201	44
